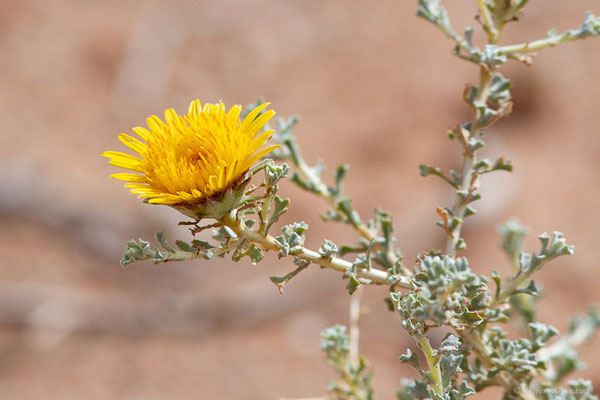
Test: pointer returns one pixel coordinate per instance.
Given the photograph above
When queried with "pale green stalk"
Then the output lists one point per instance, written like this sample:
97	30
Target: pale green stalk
488	22
432	363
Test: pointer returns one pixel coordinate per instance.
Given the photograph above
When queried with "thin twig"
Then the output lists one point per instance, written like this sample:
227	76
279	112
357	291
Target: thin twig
432	361
488	22
355	301
470	159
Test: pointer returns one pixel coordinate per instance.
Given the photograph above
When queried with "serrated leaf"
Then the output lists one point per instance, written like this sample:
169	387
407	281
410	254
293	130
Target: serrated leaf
411	359
255	254
421	390
281	206
463	391
450	365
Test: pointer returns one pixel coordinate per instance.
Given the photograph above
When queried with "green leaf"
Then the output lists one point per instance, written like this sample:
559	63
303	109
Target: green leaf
339	176
450	365
502	164
476	144
499	90
346	248
306	185
284	247
157	257
184	246
281	206
411	359
498	282
472	318
140	251
280	282
345	207
541	334
469	210
261	165
390	304
161	237
353	284
274	173
463	391
254	253
200	244
427	170
328	249
297	227
531	289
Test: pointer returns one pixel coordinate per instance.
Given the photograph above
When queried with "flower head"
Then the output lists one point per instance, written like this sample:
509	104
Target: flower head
192	158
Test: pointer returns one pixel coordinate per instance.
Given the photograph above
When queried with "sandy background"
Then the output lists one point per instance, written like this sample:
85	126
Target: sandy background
374	86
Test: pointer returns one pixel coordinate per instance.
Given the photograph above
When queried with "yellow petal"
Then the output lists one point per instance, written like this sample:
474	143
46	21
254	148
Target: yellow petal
129	177
185	159
142	132
259	122
252	115
133	144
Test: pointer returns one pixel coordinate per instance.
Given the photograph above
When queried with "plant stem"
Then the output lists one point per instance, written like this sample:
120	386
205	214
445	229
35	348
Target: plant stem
268	243
571	34
354	328
434	365
470	159
488	22
460	41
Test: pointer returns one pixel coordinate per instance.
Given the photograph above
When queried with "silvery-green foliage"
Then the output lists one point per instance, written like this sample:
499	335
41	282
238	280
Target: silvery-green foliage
441	290
356	379
446	292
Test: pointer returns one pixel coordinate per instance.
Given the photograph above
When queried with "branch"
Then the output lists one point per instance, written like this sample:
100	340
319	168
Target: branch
433	362
310	180
470	159
354	328
337	264
488	23
590	27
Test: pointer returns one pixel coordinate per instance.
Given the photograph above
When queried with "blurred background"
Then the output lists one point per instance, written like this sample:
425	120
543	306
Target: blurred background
374	86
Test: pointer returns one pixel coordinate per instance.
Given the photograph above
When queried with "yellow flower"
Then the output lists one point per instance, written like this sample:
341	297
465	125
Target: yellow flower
189	159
